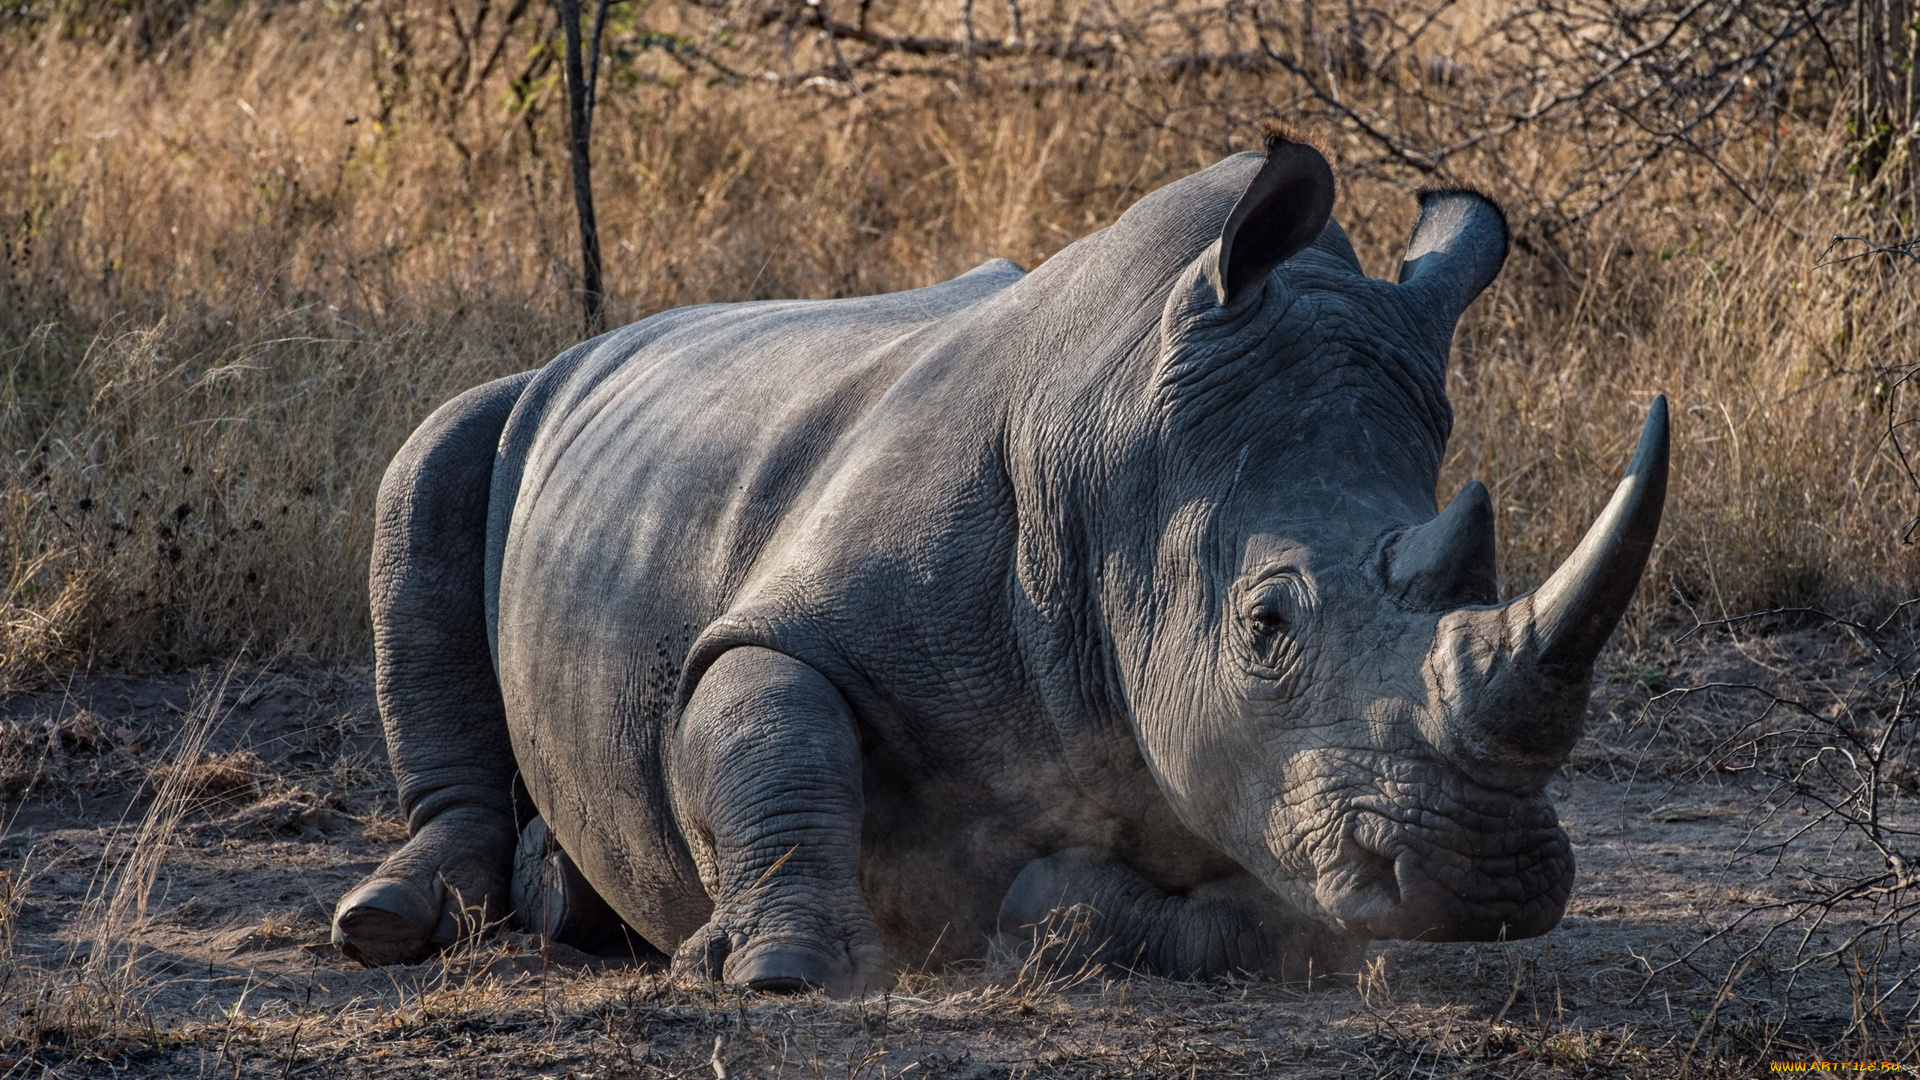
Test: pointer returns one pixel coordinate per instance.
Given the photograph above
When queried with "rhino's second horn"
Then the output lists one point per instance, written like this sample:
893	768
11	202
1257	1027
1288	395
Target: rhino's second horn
1448	561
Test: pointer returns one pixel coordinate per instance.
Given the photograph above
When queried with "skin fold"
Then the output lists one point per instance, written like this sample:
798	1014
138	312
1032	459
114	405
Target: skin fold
831	637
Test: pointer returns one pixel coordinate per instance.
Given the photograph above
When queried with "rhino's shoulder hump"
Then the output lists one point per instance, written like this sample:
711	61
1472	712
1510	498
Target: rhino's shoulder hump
990	276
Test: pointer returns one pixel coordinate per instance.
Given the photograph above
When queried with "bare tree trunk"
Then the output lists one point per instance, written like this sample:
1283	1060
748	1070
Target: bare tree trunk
581	84
1885	110
1905	29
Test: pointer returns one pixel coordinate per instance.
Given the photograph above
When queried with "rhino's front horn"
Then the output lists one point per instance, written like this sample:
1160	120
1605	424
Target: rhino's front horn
1576	610
1508	685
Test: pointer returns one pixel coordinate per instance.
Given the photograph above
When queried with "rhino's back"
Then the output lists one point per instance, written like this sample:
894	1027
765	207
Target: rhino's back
640	480
677	443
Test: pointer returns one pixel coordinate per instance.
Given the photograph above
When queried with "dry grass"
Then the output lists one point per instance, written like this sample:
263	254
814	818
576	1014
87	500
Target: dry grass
501	1010
248	247
98	989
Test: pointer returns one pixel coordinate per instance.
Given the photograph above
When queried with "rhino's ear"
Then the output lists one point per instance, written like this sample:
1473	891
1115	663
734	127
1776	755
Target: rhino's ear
1456	250
1282	211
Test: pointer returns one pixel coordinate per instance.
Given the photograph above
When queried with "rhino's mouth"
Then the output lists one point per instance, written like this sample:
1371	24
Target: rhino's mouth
1449	880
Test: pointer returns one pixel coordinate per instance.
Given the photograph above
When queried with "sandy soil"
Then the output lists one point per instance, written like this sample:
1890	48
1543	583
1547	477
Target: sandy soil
205	952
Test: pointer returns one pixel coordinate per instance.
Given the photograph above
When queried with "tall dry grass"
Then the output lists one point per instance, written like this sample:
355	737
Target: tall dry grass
247	247
98	988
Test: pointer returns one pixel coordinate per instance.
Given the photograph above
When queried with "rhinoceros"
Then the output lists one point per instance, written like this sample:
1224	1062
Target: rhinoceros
815	639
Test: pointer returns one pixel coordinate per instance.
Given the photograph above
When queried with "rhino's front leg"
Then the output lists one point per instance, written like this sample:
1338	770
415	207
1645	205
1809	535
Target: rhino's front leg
1091	907
765	782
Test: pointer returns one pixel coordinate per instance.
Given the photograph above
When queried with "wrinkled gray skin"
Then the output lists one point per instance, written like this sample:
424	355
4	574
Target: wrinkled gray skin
833	636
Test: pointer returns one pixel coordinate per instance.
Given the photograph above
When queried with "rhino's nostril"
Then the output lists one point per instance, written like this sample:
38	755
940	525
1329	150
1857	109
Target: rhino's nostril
1377	870
1359	886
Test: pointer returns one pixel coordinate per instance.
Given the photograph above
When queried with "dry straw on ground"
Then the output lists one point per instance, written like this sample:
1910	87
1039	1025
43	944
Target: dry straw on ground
187	935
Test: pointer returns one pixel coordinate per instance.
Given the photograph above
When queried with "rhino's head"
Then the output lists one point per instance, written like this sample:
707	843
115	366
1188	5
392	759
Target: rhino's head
1316	665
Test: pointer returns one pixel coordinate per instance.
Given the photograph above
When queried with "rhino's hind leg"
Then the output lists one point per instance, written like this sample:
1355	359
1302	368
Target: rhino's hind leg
1083	906
439	701
766	785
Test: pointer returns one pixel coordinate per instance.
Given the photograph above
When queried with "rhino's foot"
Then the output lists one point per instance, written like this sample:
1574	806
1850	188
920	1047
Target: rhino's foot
1084	907
777	963
553	899
445	883
392	921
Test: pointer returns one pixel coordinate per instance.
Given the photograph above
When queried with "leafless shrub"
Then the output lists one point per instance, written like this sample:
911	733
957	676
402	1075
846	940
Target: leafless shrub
1437	91
1838	762
1831	754
1833	772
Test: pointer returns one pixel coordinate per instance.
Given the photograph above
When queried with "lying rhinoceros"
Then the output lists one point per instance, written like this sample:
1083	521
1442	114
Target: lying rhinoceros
833	636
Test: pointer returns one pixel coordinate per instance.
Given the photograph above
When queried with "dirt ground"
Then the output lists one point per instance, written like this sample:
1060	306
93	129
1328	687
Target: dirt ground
185	933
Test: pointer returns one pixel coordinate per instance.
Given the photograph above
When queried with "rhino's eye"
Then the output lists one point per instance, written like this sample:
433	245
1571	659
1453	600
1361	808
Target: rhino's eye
1271	614
1266	619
